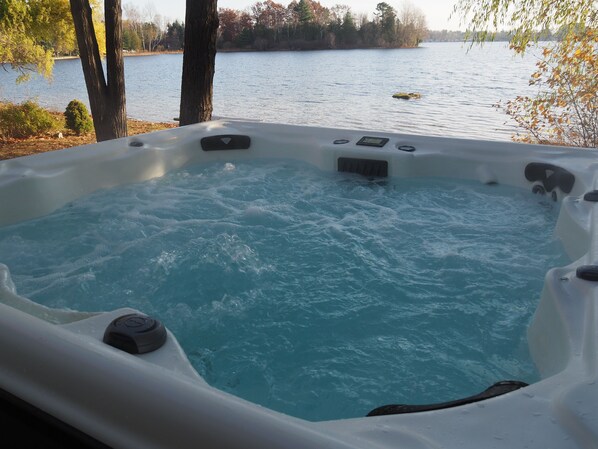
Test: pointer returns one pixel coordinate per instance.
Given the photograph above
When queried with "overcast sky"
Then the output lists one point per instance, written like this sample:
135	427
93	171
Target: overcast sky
437	12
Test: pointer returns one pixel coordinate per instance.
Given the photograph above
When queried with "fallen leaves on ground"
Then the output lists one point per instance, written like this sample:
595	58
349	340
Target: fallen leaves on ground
12	148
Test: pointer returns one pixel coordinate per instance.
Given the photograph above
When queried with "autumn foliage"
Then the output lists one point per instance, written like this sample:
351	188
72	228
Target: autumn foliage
306	24
24	120
32	32
565	110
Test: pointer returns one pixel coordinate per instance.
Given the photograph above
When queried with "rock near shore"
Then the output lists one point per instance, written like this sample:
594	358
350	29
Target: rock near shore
407	95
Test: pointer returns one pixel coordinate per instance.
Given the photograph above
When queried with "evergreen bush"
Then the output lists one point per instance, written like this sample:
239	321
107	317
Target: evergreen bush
77	118
25	120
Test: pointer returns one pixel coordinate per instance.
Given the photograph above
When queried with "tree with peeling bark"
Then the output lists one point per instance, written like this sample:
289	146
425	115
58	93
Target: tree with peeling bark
106	93
199	57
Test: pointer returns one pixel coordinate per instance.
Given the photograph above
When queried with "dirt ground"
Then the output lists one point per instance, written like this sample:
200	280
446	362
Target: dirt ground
12	148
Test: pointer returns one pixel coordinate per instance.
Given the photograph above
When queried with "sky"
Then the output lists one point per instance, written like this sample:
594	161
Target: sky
437	12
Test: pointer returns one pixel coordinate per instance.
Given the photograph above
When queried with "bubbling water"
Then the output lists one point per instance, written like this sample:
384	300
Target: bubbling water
321	295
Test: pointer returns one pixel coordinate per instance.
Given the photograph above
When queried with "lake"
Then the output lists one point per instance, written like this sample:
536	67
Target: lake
335	88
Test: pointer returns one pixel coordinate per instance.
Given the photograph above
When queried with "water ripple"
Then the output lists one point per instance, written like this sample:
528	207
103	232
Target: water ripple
322	295
349	89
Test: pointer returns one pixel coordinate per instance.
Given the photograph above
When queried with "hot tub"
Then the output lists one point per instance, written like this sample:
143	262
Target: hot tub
82	372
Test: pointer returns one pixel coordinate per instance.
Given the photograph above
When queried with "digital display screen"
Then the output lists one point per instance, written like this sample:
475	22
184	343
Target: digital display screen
369	141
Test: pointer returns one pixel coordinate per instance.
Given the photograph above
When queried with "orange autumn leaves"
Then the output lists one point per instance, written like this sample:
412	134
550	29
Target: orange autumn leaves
565	110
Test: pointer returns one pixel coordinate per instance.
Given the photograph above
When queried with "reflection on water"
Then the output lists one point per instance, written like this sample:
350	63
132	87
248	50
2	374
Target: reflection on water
348	89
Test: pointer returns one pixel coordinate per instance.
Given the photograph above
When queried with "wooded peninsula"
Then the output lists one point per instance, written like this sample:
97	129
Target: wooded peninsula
301	25
267	25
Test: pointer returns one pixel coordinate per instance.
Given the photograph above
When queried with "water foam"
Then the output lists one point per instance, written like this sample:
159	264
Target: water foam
322	295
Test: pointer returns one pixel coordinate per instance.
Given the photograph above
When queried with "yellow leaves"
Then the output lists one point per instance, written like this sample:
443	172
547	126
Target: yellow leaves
21	51
98	25
29	30
566	109
527	17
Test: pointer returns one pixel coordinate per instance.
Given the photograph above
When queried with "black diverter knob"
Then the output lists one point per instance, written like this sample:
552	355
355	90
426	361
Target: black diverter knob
135	333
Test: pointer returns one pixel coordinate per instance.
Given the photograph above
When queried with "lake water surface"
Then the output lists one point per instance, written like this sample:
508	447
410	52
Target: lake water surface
348	89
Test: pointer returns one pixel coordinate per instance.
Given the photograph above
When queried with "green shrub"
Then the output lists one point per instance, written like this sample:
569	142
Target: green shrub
25	120
77	118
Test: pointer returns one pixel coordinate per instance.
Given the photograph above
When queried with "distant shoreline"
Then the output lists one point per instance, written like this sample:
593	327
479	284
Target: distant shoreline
435	37
128	54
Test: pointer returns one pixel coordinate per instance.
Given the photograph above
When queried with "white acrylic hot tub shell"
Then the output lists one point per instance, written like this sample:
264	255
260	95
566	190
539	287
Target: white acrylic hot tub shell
55	360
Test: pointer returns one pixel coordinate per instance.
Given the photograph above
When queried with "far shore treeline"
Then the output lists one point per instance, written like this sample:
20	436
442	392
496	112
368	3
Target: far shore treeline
300	25
268	26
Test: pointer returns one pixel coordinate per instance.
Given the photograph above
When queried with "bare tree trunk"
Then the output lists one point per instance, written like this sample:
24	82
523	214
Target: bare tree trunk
115	67
199	56
107	99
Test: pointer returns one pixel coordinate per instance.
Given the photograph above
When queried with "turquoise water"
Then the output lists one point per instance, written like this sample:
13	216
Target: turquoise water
321	295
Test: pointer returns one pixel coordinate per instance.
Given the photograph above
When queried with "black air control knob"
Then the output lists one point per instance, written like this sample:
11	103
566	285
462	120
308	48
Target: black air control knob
135	333
587	273
592	196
